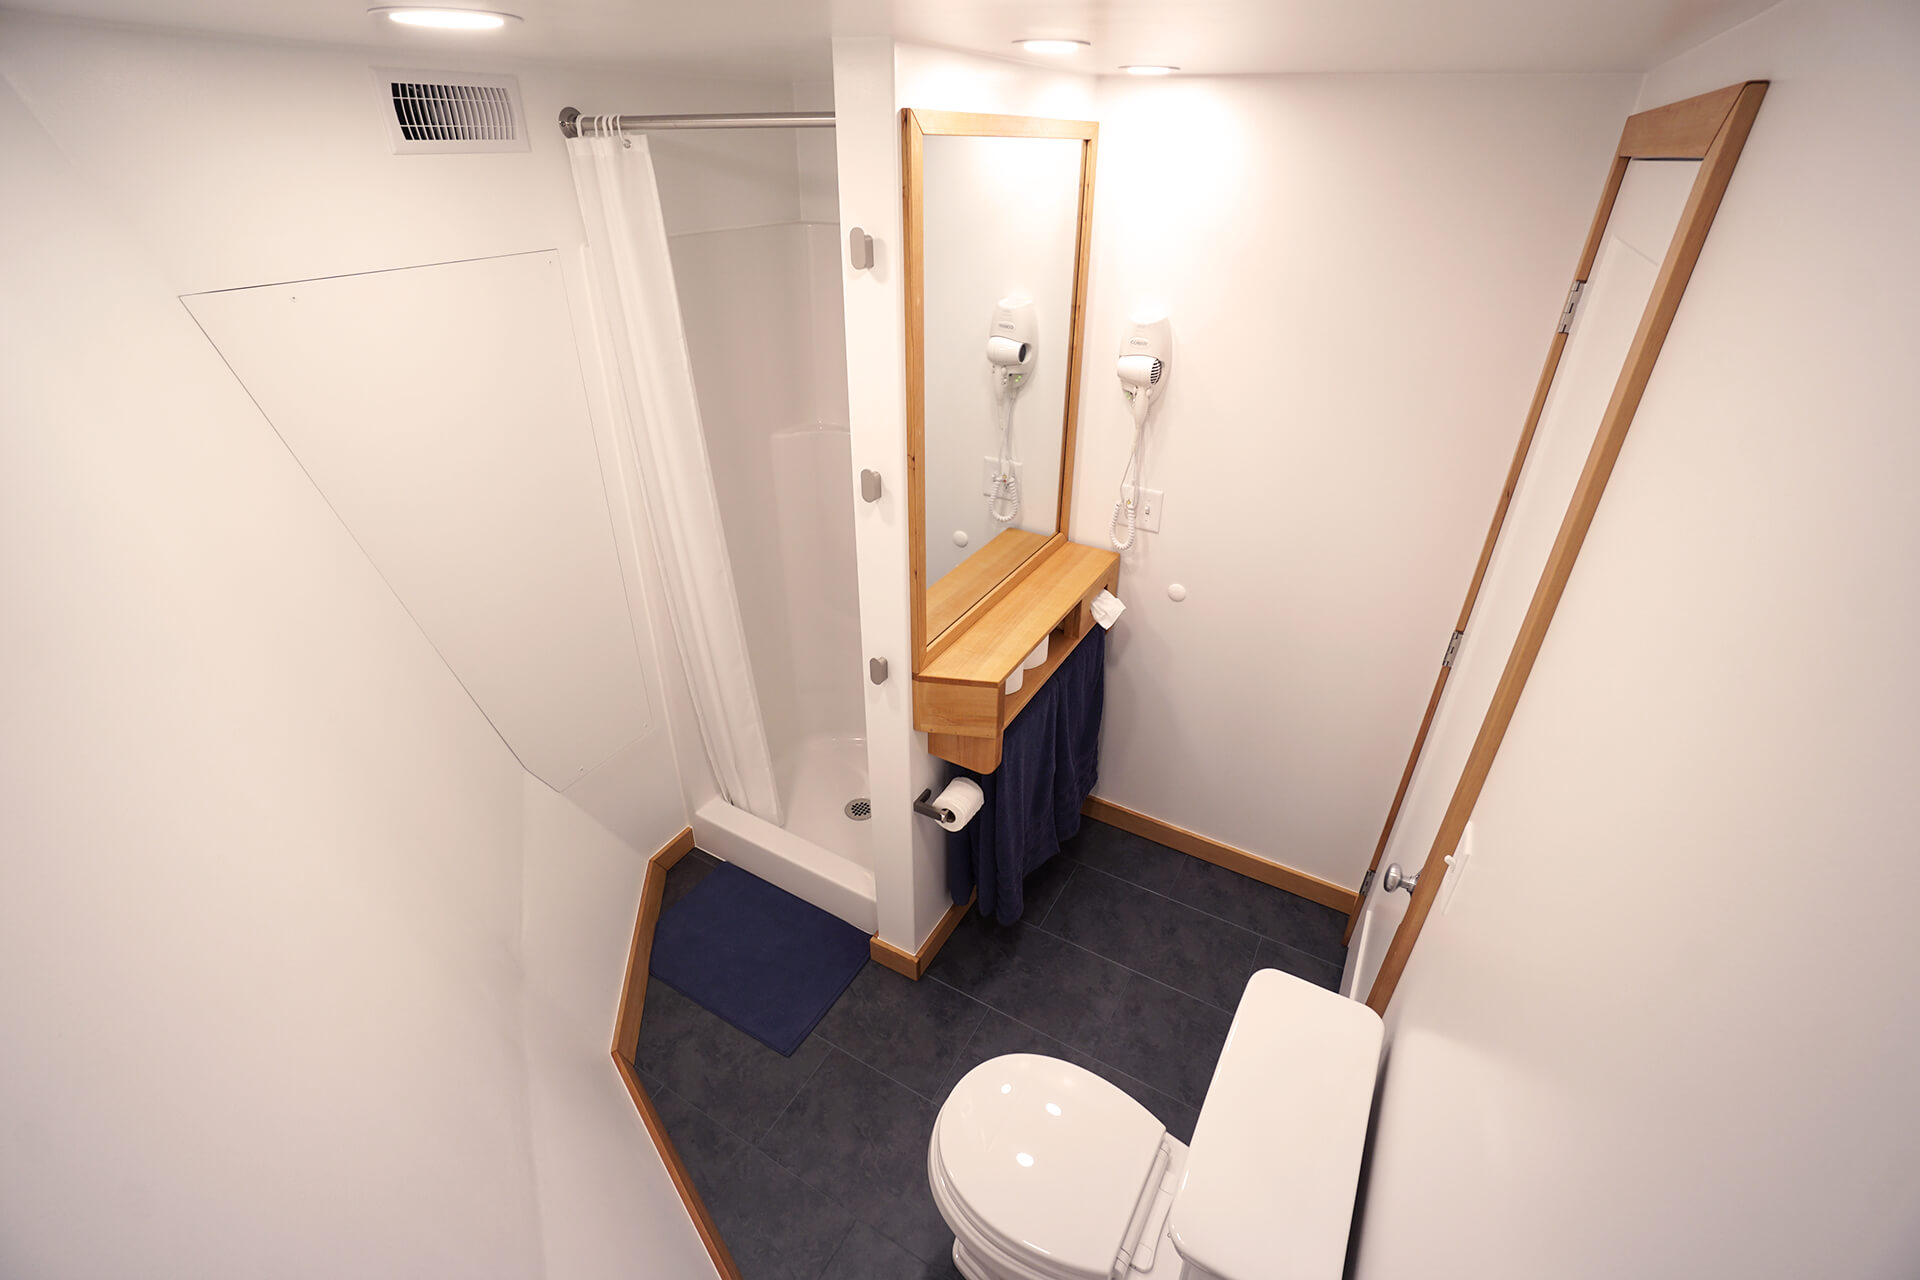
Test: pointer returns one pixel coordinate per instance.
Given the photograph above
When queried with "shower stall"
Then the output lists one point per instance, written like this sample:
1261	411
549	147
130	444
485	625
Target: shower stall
763	317
760	307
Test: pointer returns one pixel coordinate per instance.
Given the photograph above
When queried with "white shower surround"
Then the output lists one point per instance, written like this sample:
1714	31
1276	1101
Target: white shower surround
761	307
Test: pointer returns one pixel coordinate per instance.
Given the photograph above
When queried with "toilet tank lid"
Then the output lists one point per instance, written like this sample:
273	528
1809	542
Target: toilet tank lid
1269	1185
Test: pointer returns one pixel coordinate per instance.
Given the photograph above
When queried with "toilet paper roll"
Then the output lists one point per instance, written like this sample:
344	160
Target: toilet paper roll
1038	656
1006	351
962	798
1018	678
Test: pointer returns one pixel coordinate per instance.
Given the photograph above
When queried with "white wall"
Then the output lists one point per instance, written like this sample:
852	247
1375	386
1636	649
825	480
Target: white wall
873	78
307	975
272	165
1668	1025
440	411
1362	274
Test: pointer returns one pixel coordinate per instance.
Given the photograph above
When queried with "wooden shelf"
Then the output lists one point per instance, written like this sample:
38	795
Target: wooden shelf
974	578
960	700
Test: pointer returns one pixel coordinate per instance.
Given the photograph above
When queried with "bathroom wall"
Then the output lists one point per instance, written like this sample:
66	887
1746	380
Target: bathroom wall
309	977
873	78
1665	1023
1362	273
1360	306
285	143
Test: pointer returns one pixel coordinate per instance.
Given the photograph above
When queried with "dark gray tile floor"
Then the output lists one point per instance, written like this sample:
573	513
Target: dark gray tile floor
1128	962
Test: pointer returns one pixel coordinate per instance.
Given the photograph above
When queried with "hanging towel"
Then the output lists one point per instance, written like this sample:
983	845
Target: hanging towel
1049	762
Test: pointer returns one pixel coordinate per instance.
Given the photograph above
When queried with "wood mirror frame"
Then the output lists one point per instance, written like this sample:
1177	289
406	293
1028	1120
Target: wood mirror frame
915	127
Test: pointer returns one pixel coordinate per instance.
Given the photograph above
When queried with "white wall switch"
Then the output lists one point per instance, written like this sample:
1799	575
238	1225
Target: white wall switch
990	468
1456	869
1151	501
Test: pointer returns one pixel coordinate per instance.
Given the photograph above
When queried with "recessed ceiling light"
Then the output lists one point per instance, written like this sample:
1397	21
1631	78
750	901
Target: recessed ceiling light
446	19
1149	71
1052	46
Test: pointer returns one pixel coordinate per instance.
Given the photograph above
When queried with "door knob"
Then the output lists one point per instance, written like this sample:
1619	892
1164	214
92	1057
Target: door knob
1396	879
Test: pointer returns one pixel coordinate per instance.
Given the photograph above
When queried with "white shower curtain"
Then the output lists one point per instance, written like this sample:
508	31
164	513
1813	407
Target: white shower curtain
638	314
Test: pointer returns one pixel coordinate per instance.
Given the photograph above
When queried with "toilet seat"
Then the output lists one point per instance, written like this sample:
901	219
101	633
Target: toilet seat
1045	1168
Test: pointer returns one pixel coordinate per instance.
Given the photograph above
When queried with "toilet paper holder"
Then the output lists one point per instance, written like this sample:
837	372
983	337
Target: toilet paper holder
932	811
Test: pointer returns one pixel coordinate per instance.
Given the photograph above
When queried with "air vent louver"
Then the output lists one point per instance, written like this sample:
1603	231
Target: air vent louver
438	111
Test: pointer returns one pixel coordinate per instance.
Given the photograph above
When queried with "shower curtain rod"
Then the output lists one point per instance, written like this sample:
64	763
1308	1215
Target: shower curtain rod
575	125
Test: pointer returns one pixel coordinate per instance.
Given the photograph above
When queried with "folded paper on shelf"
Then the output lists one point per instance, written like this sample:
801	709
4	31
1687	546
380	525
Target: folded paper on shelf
1106	608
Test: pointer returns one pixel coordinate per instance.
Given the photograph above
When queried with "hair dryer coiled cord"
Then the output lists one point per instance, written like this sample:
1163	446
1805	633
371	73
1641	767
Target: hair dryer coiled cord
1125	512
1004	503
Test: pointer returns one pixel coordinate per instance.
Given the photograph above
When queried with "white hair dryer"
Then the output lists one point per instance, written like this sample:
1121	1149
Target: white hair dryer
1010	350
1146	349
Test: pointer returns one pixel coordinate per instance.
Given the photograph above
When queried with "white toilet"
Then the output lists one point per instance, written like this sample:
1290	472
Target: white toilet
1047	1172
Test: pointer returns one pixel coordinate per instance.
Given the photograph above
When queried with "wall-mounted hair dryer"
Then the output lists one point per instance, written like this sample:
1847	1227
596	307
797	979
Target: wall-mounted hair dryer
1146	351
1011	343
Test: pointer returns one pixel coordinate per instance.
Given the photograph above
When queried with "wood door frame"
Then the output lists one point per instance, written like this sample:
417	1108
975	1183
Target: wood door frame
915	127
1711	128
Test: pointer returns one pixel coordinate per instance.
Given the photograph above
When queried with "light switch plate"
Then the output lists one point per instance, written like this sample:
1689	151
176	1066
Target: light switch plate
990	467
1151	503
1457	869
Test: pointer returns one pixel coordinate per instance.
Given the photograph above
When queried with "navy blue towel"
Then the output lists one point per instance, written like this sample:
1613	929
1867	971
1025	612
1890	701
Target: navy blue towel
754	954
1049	761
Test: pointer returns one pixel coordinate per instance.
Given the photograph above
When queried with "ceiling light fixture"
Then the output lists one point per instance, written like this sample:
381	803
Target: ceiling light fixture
445	19
1052	46
1149	71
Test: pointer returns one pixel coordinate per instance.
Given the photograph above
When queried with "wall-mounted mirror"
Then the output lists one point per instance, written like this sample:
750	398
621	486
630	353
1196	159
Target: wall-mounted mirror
997	216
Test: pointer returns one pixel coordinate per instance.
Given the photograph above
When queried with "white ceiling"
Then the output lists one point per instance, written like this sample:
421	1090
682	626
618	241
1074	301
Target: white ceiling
789	38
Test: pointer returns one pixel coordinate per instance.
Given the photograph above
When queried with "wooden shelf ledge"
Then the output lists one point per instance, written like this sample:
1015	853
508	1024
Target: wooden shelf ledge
960	700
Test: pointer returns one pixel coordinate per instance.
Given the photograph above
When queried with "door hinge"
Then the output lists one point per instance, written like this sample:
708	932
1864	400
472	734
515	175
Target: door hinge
1574	293
1453	649
1366	883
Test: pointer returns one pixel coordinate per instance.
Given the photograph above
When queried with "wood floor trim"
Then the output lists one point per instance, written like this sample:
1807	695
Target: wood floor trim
913	964
633	991
677	1171
1251	865
626	1042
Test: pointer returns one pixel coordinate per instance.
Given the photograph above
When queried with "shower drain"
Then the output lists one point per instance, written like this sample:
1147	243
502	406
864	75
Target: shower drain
859	808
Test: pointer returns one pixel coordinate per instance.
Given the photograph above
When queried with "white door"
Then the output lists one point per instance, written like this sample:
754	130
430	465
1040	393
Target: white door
1639	230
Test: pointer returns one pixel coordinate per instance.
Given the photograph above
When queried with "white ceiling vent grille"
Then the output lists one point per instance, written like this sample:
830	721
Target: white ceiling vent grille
440	111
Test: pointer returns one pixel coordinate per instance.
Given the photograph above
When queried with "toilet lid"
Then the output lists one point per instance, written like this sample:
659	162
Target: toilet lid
1048	1158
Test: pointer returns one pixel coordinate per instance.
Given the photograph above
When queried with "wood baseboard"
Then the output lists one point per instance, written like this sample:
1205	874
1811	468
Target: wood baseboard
633	991
626	1042
1312	888
914	963
677	1171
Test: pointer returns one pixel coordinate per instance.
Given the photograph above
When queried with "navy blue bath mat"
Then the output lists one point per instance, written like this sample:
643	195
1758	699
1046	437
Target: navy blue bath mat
759	957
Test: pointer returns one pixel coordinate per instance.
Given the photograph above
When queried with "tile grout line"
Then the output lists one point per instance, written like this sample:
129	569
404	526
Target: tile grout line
1212	1008
755	1143
881	1071
1047	915
1094	1058
1253	958
834	1199
852	1222
1100	955
1264	937
755	1149
802	1179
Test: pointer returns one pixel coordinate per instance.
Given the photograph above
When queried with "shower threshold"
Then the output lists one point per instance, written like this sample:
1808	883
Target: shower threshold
809	871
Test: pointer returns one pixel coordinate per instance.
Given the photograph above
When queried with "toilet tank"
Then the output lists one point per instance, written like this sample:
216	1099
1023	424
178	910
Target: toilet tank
1270	1181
